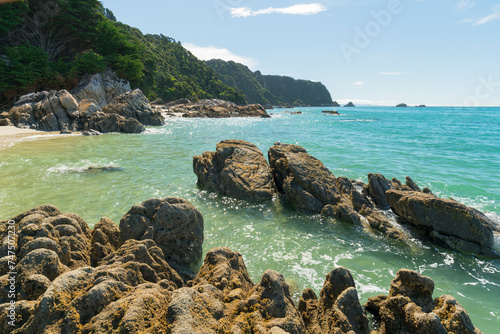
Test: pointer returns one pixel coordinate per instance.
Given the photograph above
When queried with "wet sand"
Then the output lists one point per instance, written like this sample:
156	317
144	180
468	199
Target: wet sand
11	134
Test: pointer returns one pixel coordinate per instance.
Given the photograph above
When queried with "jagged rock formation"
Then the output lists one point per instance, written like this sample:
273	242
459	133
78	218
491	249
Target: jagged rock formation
409	308
104	103
74	280
337	310
212	109
236	169
101	87
136	106
47	111
311	187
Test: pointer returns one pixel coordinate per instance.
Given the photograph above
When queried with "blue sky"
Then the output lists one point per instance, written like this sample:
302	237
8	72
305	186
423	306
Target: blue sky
433	52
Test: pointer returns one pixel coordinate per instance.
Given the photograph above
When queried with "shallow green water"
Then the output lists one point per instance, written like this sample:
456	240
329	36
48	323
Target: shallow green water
455	152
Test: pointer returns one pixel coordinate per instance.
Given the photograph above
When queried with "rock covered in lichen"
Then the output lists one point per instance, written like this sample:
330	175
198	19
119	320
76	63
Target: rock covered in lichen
236	169
174	224
409	308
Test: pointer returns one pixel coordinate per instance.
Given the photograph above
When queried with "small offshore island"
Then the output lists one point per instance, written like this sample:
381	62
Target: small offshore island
148	273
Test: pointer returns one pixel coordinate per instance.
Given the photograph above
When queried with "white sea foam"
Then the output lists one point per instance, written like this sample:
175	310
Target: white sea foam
80	167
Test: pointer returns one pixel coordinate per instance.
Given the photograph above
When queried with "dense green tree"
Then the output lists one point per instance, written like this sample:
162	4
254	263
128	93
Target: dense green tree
52	43
25	67
11	15
89	63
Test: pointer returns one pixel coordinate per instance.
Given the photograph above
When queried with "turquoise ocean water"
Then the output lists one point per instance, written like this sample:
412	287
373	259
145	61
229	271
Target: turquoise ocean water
453	151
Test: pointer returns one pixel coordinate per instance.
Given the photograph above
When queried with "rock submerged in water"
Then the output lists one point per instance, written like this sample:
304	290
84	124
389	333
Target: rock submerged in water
72	279
447	221
309	187
236	169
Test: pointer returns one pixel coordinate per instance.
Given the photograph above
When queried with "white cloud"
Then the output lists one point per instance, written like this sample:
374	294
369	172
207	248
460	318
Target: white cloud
359	83
212	52
464	5
489	18
300	9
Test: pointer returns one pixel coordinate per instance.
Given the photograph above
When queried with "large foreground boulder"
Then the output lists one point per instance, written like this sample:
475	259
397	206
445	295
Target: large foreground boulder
130	287
447	221
236	169
174	224
409	308
223	299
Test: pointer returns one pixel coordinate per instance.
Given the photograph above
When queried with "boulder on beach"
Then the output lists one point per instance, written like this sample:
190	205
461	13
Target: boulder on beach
134	105
101	87
409	308
236	169
101	103
46	111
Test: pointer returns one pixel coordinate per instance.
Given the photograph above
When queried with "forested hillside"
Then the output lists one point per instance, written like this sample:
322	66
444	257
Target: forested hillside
47	45
271	89
51	44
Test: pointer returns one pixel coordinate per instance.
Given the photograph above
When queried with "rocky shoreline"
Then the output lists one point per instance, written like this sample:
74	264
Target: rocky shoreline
103	103
208	109
136	278
238	169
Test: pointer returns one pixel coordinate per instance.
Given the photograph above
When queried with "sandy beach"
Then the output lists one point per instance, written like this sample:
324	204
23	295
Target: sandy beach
11	134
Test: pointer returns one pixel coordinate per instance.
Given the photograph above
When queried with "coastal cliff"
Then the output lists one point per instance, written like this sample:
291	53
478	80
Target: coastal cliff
271	89
136	278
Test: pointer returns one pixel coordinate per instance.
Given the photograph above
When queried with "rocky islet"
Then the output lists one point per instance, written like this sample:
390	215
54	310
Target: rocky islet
308	186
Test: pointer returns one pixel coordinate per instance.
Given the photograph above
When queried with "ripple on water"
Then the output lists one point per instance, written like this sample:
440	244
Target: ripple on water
442	153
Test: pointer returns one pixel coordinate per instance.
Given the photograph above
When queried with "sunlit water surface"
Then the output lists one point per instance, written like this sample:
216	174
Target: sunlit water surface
453	151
